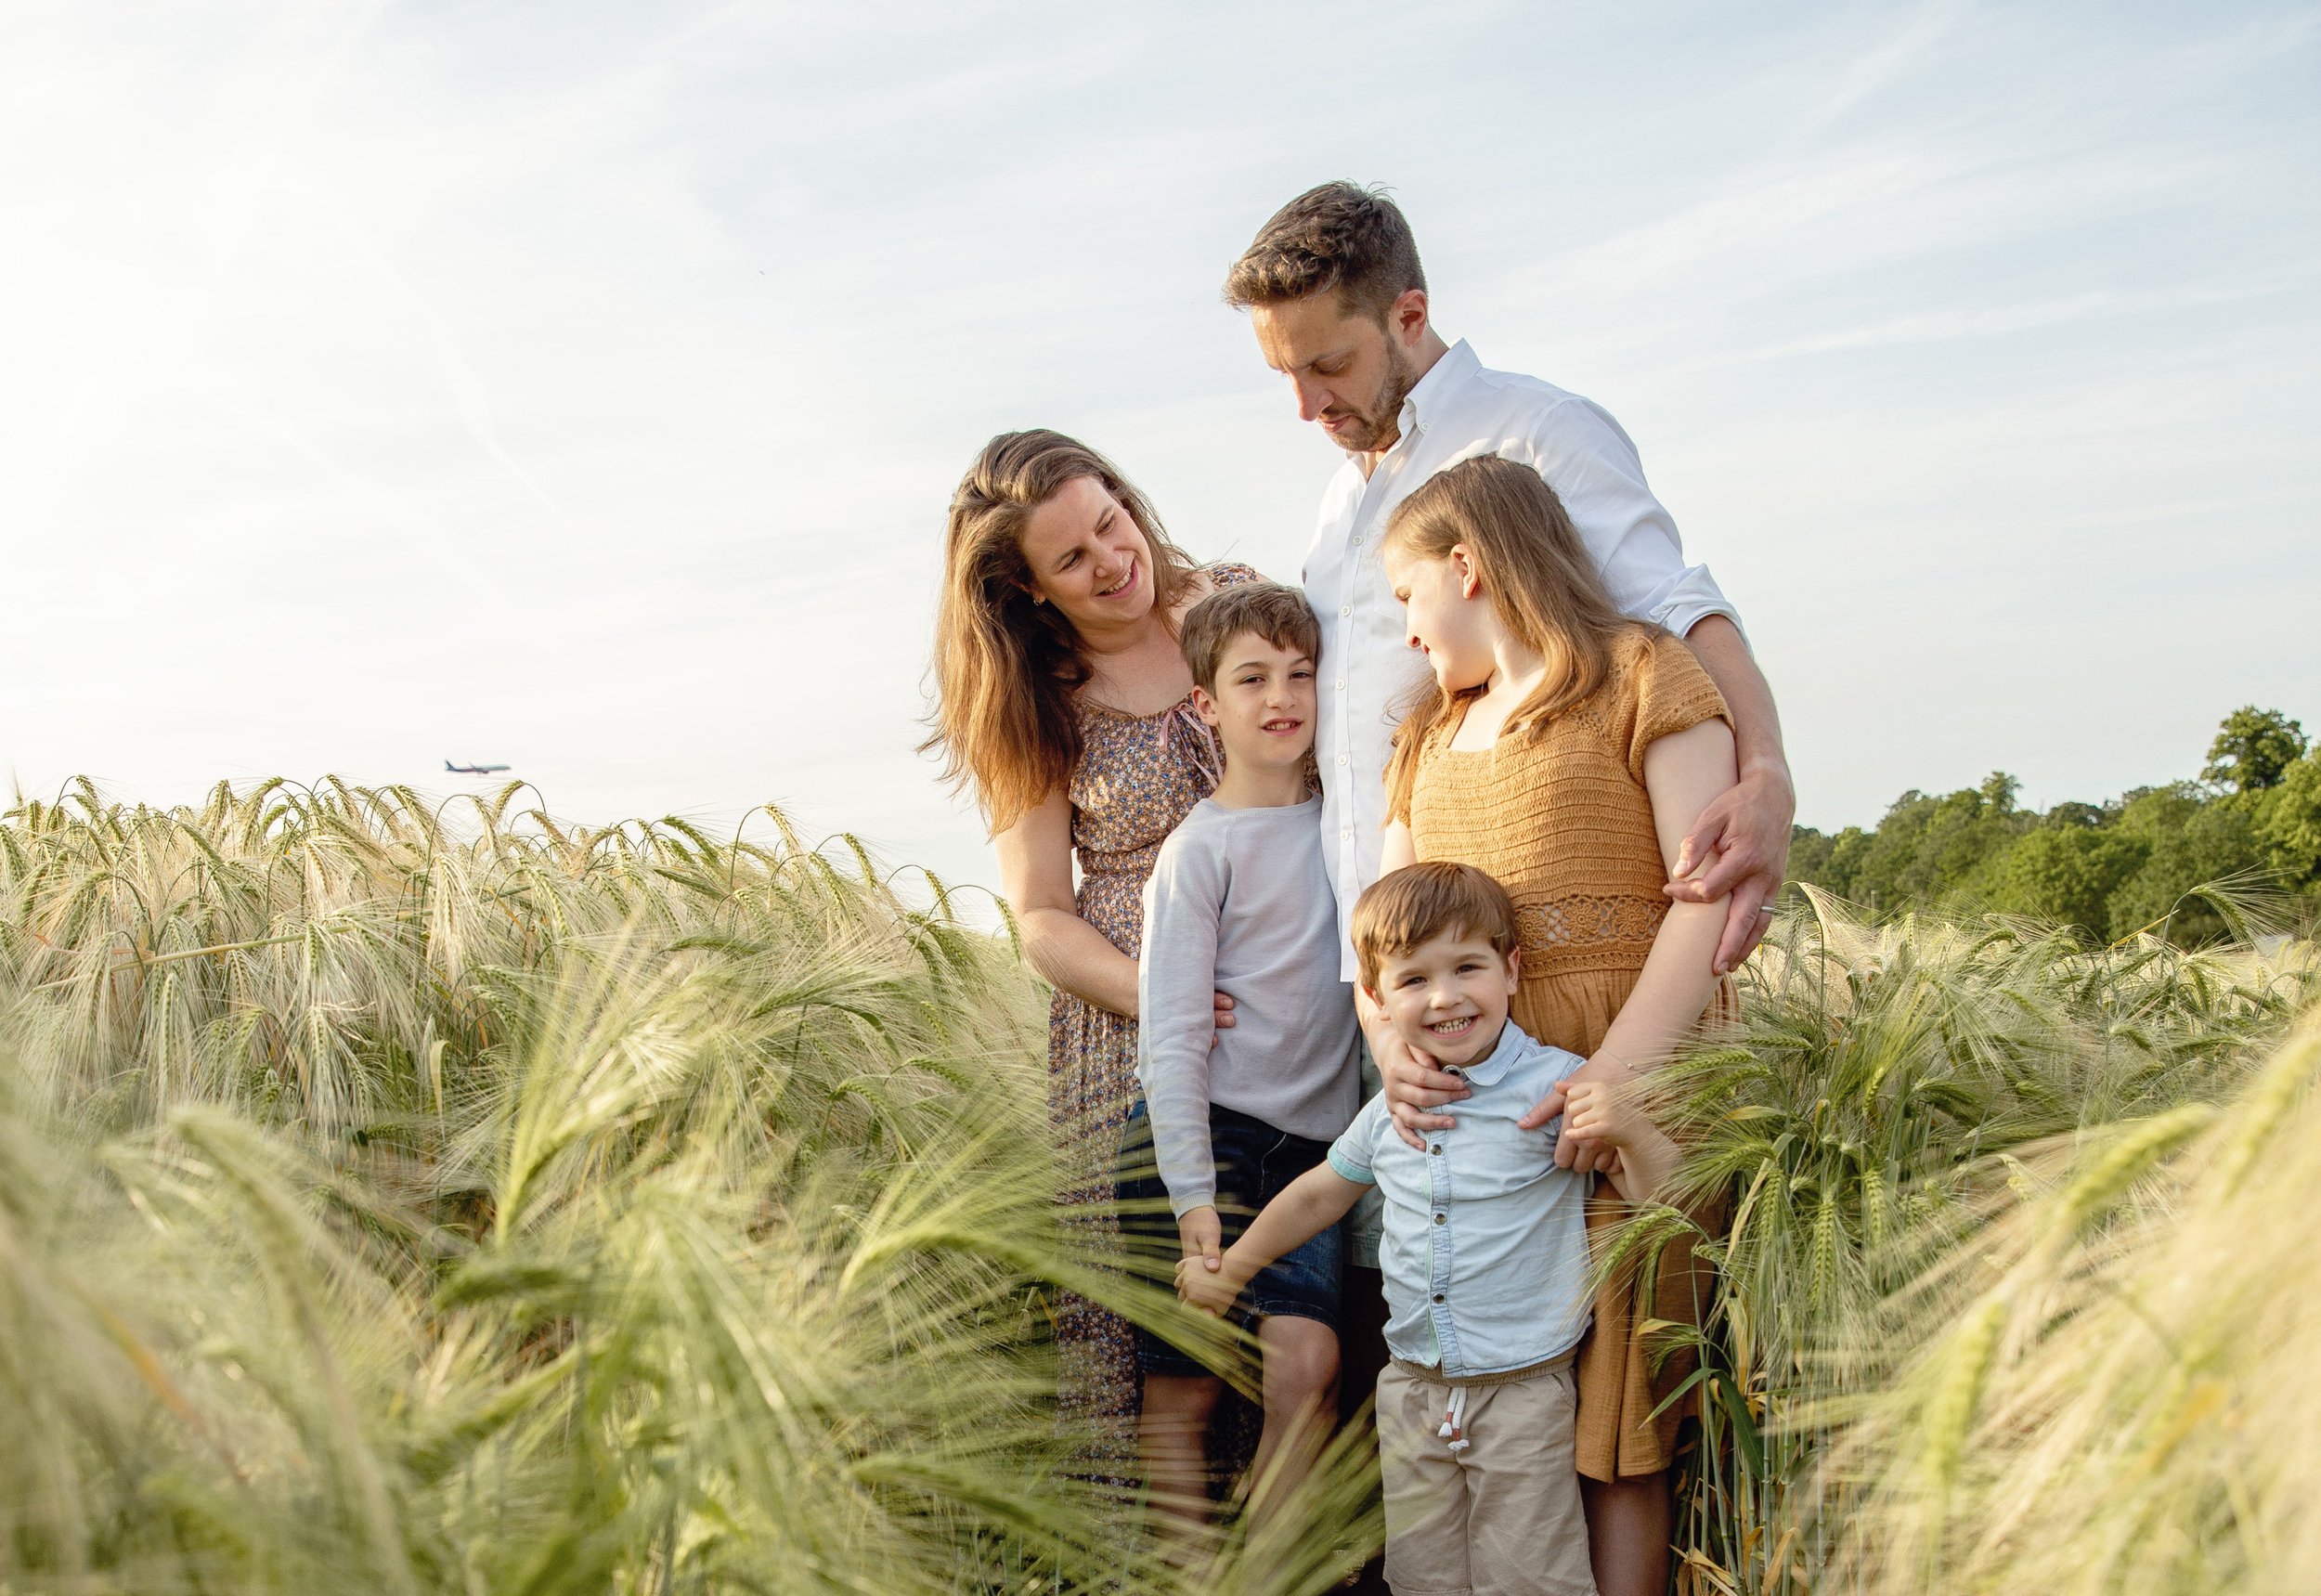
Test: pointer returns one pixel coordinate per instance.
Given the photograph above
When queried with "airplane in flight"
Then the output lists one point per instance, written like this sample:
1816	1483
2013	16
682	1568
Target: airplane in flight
472	769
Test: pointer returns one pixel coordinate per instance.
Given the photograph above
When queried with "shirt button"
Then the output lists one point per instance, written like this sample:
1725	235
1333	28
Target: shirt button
1342	759
1438	1296
1346	609
1436	1148
1341	684
1442	1218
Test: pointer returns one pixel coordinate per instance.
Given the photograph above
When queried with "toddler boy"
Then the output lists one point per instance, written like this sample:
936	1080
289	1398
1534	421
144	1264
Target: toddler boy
1484	1254
1239	902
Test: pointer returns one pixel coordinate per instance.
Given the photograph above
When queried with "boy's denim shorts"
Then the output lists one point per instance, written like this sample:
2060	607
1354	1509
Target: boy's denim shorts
1255	1163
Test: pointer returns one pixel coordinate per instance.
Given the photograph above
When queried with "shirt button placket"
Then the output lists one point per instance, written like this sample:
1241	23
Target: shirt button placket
1438	1195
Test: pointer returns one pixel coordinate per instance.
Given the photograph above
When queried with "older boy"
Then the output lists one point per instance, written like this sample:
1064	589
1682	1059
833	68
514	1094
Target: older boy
1239	902
1484	1252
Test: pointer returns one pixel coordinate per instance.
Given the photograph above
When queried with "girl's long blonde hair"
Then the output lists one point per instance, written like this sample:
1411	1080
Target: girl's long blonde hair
1538	577
1005	669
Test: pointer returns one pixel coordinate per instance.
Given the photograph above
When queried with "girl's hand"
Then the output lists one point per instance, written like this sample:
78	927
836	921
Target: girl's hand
1576	1149
1644	1158
1223	1014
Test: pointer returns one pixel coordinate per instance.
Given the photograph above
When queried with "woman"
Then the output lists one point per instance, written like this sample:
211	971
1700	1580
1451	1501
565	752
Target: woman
1065	704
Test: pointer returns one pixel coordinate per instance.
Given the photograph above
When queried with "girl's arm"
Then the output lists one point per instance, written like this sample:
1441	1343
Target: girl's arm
1035	874
1397	850
1682	773
1308	1206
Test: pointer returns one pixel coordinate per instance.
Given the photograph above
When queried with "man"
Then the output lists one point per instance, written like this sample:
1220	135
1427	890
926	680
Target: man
1339	303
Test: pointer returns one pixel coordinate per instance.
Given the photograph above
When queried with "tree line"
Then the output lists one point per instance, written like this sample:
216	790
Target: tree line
2184	859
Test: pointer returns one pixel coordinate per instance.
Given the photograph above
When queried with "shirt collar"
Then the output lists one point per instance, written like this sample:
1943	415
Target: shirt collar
1487	1071
1432	390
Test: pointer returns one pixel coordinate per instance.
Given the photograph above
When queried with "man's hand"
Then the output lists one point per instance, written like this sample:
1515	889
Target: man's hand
1739	847
1415	1088
1576	1149
1204	1287
1202	1237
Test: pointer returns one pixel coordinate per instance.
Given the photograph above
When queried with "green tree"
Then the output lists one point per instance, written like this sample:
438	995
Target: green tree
2253	750
2193	843
2067	873
2290	824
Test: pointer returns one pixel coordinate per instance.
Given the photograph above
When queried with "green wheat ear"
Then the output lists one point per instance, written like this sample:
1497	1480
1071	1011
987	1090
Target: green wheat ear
416	1201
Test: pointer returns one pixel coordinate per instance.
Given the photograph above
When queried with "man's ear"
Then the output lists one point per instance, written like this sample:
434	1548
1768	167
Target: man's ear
1205	706
1405	318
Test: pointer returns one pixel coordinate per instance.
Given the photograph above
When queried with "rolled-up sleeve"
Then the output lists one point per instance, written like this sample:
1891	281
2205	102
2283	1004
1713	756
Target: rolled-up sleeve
1595	471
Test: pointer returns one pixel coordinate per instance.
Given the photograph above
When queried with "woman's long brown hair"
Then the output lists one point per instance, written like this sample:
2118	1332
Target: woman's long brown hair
1538	577
1005	669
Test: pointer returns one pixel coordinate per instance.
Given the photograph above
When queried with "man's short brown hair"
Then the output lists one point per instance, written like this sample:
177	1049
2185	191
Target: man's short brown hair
1277	614
1339	236
1420	902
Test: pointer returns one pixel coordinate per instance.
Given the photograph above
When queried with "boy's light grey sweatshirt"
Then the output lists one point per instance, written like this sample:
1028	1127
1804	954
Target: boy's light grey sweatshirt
1239	901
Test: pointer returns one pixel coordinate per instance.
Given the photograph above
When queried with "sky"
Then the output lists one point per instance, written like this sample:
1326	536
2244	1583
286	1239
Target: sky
581	386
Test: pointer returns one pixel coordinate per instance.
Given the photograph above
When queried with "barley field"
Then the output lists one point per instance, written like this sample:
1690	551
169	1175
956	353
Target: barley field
410	1199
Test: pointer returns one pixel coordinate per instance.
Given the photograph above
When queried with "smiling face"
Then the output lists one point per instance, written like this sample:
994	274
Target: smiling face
1262	705
1086	556
1445	614
1350	373
1448	996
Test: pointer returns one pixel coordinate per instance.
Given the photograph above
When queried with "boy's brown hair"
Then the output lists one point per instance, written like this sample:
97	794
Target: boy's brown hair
1274	612
1338	235
1420	902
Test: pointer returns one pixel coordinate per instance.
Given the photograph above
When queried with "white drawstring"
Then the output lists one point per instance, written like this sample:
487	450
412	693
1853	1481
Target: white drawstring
1454	1428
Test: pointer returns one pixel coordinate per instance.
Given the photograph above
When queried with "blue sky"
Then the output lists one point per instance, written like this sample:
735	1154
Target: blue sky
581	386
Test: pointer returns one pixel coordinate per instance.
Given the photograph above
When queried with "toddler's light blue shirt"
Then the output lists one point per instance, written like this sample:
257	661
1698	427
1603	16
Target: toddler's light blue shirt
1485	1247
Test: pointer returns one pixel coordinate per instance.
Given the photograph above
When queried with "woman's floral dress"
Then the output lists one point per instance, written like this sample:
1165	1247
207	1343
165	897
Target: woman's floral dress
1138	777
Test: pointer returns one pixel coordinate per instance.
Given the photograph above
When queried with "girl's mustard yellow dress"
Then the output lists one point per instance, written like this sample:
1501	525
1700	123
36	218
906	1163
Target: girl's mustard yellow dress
1559	814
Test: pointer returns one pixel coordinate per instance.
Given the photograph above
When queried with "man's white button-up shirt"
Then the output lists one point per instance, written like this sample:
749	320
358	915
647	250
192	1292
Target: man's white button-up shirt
1457	410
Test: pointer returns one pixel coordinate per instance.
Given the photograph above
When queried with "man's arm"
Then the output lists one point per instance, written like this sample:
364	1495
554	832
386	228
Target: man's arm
1745	832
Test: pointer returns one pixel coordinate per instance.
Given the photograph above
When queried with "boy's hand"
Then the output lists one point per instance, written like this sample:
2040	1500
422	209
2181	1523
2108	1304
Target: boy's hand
1204	1287
1201	1236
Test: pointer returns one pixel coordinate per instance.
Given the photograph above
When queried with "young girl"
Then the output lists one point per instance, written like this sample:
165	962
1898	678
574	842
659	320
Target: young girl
1567	752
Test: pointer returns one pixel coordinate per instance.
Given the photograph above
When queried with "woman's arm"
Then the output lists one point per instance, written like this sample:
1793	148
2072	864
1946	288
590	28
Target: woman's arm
1035	874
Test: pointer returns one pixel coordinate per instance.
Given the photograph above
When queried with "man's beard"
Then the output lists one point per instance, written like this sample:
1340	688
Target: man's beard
1377	426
